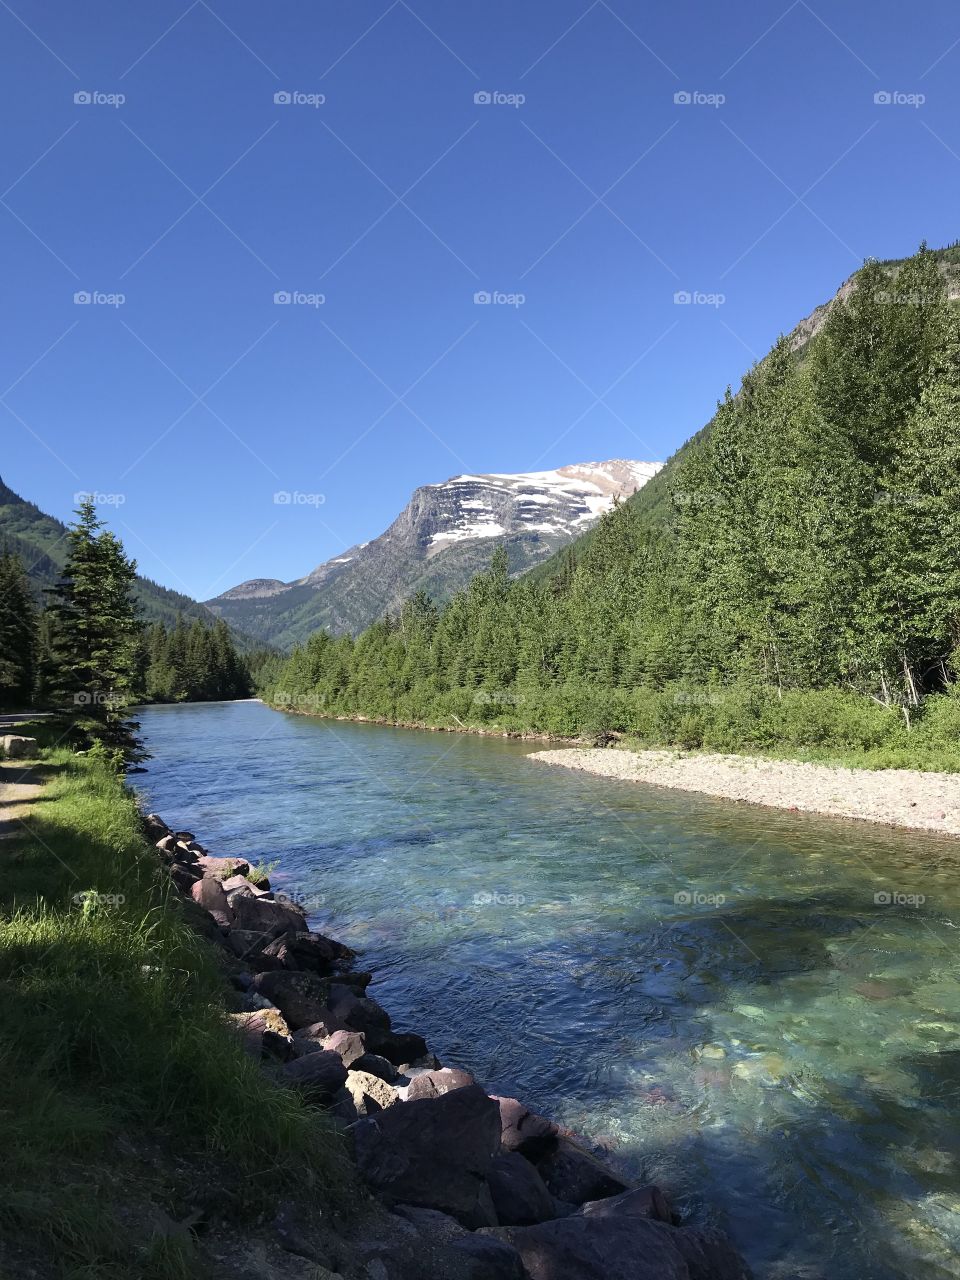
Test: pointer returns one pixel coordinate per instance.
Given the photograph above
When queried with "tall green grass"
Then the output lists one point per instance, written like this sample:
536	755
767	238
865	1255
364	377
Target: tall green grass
120	1085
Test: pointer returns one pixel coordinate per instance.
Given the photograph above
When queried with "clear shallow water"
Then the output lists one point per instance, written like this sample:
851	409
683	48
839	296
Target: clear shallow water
785	1061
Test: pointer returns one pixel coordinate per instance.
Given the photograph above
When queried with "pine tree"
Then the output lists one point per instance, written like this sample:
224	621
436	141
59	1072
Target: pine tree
95	633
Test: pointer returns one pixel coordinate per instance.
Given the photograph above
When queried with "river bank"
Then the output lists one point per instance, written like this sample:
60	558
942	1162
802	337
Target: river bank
476	1186
891	797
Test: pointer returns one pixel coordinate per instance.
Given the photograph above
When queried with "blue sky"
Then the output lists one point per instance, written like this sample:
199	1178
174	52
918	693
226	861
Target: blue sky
583	196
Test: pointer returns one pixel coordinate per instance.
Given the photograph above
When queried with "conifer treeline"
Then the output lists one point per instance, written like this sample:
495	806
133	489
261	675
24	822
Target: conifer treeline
86	656
192	663
813	545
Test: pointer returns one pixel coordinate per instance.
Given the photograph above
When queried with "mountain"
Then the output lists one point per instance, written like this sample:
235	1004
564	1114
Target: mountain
790	581
40	541
444	535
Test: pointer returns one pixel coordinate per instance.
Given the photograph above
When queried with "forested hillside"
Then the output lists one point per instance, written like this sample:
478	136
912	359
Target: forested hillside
793	578
40	542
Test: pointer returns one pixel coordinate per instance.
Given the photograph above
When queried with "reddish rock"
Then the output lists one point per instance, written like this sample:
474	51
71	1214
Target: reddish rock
349	1045
223	867
208	893
524	1131
431	1084
263	914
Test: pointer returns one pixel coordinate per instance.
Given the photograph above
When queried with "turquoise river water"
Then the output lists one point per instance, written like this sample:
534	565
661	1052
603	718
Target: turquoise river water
758	1010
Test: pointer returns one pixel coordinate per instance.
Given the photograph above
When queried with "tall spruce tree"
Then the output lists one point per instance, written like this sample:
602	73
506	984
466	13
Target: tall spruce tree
94	636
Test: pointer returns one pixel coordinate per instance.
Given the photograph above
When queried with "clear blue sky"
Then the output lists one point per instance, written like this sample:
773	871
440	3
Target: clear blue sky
598	198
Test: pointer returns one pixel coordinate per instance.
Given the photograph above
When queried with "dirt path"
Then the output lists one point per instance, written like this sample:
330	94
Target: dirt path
894	797
20	784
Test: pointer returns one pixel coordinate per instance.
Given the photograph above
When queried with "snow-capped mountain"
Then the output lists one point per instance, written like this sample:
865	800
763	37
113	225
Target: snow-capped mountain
444	535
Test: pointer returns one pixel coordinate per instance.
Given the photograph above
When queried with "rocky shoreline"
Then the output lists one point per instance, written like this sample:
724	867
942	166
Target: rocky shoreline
467	1186
890	797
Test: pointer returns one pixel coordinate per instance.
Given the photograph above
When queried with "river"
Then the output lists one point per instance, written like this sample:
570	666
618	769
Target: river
757	1010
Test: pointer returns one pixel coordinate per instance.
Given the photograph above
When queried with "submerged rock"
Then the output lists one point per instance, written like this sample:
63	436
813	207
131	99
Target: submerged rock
574	1175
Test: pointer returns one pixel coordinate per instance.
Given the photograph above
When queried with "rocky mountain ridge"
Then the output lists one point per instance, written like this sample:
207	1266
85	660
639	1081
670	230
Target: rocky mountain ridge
444	535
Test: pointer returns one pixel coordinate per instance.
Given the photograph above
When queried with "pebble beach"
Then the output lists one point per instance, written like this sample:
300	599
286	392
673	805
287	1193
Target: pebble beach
892	797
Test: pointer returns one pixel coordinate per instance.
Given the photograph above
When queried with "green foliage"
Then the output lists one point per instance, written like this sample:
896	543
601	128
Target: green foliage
94	633
195	663
797	589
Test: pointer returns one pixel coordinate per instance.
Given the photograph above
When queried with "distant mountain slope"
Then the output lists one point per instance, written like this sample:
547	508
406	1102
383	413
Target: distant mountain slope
444	535
40	542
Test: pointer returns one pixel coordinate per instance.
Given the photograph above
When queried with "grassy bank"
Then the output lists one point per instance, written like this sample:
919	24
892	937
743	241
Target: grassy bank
828	726
126	1105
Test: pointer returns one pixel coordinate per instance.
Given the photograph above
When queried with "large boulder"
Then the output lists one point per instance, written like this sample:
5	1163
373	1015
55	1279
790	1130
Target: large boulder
622	1247
574	1175
520	1196
300	997
643	1202
350	1045
398	1047
208	893
14	746
264	1033
370	1094
524	1131
314	951
265	915
436	1153
224	868
359	1012
431	1084
318	1076
154	827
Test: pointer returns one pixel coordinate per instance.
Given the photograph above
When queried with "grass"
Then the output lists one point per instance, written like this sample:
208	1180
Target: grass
121	1089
